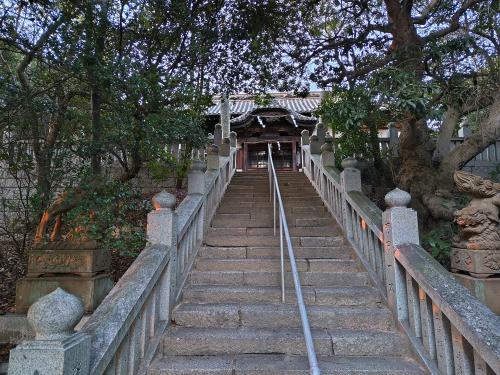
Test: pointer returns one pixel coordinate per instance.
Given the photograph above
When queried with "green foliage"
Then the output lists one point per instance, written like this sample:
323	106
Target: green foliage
438	243
351	114
495	174
114	214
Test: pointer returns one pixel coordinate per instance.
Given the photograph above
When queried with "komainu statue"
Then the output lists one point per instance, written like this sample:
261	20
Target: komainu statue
476	248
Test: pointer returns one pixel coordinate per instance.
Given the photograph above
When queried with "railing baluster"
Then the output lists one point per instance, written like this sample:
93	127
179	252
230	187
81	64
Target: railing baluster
444	346
462	353
427	319
413	306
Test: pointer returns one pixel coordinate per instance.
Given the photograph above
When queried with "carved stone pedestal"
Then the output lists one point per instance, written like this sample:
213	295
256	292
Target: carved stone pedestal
478	263
80	268
485	290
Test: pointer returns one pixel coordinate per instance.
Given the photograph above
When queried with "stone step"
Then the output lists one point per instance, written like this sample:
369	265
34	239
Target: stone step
237	205
235	198
215	341
268	209
329	230
266	221
265	241
249	278
275	364
341	252
274	265
281	316
312	200
268	215
341	296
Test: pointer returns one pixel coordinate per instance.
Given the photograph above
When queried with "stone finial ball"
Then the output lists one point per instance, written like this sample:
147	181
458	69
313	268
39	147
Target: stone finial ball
232	134
327	147
210	136
218	127
320	126
226	140
349	162
314	138
54	316
197	165
213	150
305	132
397	198
163	200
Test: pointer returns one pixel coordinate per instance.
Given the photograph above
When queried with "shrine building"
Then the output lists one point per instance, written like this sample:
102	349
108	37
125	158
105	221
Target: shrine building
278	119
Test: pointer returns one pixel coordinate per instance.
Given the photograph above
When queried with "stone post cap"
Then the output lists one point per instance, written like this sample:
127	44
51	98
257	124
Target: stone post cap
349	162
314	138
328	139
213	150
163	201
304	132
397	198
327	147
54	316
197	165
218	127
320	126
226	140
232	134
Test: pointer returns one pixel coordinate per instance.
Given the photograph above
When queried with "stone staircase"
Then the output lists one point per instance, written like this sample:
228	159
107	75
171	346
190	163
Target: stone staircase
231	320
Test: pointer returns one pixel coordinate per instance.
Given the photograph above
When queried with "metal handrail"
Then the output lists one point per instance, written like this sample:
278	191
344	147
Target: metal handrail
274	192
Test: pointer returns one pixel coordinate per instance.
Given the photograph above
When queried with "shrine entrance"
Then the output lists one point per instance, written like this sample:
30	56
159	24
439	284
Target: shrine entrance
283	155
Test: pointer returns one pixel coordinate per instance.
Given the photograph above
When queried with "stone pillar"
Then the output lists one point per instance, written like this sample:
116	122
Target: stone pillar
213	162
210	139
218	135
327	153
196	178
350	180
225	115
162	230
232	138
393	140
161	227
57	348
400	226
314	145
225	148
321	133
304	137
464	131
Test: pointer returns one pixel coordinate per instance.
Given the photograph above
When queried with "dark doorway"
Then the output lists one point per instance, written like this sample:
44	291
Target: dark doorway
282	155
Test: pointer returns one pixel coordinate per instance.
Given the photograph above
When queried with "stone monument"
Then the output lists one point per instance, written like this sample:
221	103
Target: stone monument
80	267
475	257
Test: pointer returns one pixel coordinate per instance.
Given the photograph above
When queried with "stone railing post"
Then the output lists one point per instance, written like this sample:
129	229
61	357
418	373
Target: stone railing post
162	230
196	186
464	131
350	180
327	153
218	134
57	349
213	162
304	137
225	148
400	226
321	133
232	139
314	145
393	140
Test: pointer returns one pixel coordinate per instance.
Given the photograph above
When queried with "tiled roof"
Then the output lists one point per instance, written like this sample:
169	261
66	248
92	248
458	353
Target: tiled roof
240	106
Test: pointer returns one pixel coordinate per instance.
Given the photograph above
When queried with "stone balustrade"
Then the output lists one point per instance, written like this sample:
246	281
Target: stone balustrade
450	330
124	332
